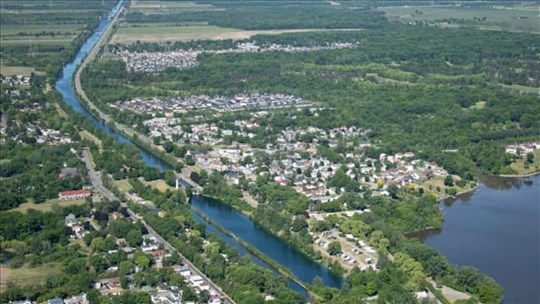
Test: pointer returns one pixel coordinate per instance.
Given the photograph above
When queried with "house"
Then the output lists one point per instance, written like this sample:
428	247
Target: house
214	300
68	171
79	299
73	195
55	301
71	220
184	271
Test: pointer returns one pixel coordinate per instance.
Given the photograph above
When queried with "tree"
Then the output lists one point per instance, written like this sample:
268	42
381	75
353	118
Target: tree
448	181
190	161
334	248
530	157
134	238
124	268
142	260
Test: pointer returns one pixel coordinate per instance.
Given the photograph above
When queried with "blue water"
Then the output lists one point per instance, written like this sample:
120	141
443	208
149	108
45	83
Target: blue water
302	267
241	226
497	230
65	86
243	251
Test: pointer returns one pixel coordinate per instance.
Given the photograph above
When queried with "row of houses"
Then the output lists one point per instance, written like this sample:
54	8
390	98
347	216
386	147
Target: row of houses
219	103
520	149
184	59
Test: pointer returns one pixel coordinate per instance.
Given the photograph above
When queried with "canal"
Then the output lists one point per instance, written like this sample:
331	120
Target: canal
282	253
497	230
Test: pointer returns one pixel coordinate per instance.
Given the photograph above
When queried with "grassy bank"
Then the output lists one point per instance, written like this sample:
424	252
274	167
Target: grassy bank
275	265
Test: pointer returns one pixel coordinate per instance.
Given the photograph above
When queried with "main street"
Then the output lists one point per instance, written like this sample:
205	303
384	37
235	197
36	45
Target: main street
95	178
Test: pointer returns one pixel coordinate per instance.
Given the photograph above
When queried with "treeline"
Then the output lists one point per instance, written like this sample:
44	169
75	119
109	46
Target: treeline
271	17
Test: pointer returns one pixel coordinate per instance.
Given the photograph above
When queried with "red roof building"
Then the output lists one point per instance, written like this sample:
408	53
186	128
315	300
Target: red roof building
73	195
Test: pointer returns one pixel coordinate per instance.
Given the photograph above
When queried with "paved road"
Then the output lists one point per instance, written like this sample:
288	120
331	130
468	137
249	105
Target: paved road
95	178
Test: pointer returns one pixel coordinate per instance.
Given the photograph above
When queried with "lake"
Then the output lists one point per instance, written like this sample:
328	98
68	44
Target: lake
497	230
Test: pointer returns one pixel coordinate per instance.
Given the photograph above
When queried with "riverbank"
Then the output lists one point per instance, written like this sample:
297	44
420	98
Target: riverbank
278	267
518	175
457	195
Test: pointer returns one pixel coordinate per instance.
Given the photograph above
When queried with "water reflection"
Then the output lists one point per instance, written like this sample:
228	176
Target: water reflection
496	229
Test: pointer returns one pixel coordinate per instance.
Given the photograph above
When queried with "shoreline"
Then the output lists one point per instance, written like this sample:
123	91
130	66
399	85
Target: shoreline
439	200
518	175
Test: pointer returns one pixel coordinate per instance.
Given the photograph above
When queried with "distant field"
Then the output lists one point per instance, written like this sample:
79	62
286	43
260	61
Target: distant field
521	88
167	5
37	42
9	30
16	70
47	205
26	275
127	35
517	20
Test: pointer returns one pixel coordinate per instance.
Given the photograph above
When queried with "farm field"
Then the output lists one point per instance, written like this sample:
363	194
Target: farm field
40	34
127	35
514	20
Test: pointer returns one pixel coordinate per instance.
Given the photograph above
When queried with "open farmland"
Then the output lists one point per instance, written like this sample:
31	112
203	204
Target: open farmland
127	35
525	20
167	5
42	34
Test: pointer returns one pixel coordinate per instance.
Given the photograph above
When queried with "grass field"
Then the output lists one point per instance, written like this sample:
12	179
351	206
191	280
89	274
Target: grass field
123	185
519	165
127	35
37	42
158	184
521	88
438	181
47	205
16	70
517	20
91	137
168	5
60	111
15	29
26	275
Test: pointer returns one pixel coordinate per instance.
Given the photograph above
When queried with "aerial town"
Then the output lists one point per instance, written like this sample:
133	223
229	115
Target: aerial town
183	59
253	101
269	152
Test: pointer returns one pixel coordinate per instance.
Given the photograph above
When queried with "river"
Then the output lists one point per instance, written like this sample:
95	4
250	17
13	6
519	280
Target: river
306	270
497	230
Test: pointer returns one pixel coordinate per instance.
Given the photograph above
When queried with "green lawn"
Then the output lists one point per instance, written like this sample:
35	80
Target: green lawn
16	70
46	205
158	184
26	275
519	165
123	185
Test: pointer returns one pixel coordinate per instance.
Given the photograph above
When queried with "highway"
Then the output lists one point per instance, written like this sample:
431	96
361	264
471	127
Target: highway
95	178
